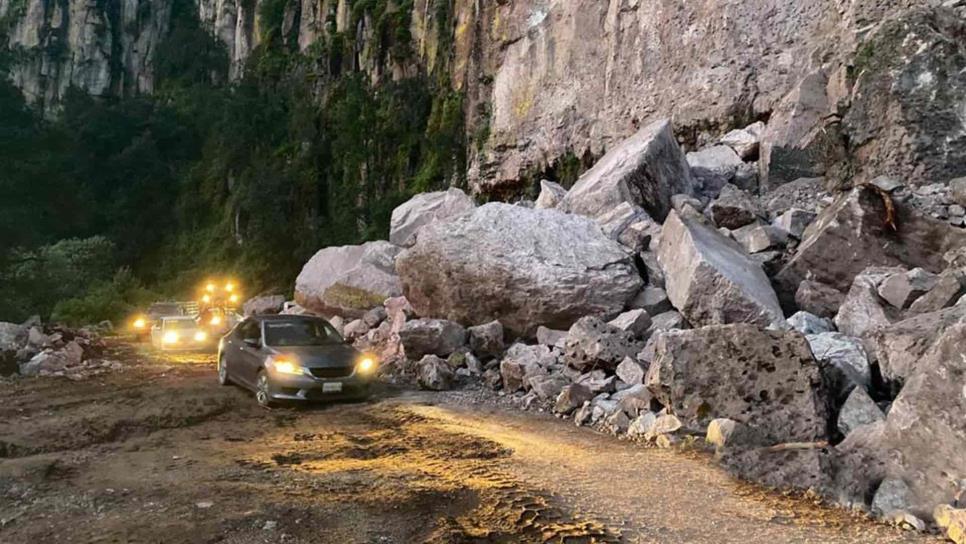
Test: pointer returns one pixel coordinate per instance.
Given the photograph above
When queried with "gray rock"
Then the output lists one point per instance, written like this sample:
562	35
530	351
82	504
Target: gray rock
803	469
51	360
375	316
641	425
423	209
355	329
950	287
617	422
547	386
713	168
744	141
746	177
667	321
807	323
710	280
844	360
524	267
727	433
794	222
686	204
521	362
349	280
793	142
634	400
645	169
591	343
957	189
652	300
862	309
765	378
421	337
265	304
733	208
901	290
893	495
630	371
652	267
598	382
629	225
851	235
550	337
572	397
487	339
12	336
859	409
435	374
900	347
819	299
551	194
758	238
636	322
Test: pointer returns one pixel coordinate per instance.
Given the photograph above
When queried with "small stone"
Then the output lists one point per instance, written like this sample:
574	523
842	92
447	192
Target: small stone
617	422
570	397
794	222
435	374
859	409
635	322
270	526
901	290
818	298
551	337
893	495
758	238
204	505
641	425
807	323
652	300
630	371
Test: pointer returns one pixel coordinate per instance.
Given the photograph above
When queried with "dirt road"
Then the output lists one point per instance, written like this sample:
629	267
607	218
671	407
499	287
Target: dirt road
160	453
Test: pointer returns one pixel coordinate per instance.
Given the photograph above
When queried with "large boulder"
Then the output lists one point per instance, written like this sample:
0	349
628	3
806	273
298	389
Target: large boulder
646	169
949	289
524	267
349	280
844	360
264	304
424	209
899	347
487	339
764	379
853	234
440	337
710	279
925	431
906	114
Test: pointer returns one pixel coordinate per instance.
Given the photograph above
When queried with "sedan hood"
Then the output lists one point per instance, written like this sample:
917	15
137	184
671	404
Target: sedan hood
327	356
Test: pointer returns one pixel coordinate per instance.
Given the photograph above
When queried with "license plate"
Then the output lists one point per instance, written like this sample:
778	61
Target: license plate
335	387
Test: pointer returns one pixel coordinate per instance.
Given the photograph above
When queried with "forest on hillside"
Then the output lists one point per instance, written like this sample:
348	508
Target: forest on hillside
107	203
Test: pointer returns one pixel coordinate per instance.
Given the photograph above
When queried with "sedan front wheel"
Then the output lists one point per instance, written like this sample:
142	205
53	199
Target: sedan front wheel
223	377
263	390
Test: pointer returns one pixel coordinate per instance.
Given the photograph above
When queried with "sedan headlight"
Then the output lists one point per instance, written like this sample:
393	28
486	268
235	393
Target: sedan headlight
170	337
140	323
366	365
201	336
285	366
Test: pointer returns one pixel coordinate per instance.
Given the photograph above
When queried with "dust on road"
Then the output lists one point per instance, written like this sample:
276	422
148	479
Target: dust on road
160	453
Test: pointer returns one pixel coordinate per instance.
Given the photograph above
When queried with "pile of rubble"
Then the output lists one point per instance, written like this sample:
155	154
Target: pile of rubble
810	338
35	349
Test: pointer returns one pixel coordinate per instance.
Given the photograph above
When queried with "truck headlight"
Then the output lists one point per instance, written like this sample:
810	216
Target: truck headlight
285	366
170	337
216	320
140	323
366	365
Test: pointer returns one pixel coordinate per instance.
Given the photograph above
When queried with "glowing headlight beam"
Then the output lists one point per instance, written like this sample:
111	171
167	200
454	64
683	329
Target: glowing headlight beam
201	336
366	365
140	323
170	337
283	366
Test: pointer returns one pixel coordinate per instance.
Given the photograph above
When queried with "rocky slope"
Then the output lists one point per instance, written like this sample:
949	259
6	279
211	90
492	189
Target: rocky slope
852	89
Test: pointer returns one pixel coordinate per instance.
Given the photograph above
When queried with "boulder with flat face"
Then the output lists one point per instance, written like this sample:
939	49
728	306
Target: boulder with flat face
265	304
852	234
859	409
765	379
423	209
733	208
899	347
646	169
844	360
487	339
710	280
349	280
819	299
440	337
863	309
591	343
524	267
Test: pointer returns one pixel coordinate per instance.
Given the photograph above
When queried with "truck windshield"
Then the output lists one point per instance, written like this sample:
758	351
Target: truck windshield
179	324
302	332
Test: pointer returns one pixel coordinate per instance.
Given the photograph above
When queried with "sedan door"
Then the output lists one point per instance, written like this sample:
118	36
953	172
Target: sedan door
249	358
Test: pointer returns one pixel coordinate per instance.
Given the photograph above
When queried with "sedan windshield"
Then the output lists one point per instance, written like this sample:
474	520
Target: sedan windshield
302	332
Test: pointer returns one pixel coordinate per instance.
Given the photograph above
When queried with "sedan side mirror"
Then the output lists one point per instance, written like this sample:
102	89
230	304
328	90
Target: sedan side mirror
253	343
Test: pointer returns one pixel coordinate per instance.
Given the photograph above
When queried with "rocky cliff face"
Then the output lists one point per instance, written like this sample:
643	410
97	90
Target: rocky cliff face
547	81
